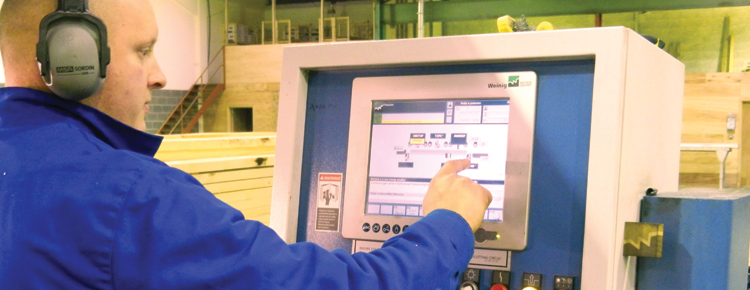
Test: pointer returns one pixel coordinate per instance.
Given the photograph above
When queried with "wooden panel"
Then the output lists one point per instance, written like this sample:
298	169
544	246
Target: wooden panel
243	182
219	164
216	135
710	180
745	94
707	162
238	185
248	199
263	218
745	145
248	194
205	146
262	206
254	212
709	98
706	106
724	78
699	162
713	89
217	143
240	174
695	79
215	153
255	204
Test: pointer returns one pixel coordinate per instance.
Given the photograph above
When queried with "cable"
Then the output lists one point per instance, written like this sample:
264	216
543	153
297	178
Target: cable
627	267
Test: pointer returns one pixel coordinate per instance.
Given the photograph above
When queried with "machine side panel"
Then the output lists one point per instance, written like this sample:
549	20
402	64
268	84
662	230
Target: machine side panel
650	154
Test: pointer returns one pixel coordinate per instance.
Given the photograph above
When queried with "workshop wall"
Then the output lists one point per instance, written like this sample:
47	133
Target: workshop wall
212	37
253	77
180	54
309	13
490	25
162	104
178	49
694	36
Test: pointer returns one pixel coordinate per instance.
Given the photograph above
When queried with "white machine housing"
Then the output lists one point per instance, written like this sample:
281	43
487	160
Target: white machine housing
635	128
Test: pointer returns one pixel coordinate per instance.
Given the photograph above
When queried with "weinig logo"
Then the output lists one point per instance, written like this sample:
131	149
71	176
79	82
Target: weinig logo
514	81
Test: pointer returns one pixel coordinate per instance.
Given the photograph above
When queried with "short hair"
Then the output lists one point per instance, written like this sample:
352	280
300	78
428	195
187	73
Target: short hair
19	33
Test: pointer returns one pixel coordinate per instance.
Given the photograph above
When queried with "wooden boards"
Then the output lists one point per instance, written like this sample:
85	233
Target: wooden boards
236	168
215	146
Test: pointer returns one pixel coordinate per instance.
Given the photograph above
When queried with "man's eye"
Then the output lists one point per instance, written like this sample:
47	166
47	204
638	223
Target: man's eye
145	52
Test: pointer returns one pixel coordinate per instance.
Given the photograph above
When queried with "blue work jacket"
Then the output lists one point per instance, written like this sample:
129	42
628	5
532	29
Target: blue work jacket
84	205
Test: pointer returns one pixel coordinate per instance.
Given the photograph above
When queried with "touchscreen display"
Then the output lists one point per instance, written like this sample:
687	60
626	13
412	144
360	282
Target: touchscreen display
411	140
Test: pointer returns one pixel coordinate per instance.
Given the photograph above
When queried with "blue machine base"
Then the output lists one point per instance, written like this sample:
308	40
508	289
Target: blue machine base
705	245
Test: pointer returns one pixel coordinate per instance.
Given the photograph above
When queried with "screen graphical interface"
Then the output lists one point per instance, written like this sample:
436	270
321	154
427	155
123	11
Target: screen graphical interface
411	140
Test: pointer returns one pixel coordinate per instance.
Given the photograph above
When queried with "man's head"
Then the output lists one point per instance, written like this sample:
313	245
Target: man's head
132	73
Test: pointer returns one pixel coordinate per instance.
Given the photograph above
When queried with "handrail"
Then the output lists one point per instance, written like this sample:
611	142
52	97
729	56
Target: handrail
201	88
209	64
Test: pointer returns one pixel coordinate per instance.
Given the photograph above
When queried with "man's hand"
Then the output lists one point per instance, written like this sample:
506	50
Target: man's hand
450	191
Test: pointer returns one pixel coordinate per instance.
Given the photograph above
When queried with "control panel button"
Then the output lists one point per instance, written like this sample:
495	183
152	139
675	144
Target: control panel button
499	287
564	282
501	278
386	228
366	227
469	286
375	227
396	229
531	281
471	275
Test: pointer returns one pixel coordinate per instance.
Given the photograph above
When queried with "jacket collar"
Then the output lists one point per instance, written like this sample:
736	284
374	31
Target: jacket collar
18	104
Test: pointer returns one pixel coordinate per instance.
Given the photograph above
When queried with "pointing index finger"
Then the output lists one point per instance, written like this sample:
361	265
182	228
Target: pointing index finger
453	166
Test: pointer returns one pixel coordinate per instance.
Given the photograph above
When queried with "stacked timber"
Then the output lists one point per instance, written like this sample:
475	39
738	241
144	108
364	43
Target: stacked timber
236	167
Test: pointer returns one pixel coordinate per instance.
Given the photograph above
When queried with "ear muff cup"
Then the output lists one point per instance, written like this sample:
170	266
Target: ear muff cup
73	54
74	60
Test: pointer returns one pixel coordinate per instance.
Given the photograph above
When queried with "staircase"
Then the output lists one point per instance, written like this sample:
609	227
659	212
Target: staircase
186	114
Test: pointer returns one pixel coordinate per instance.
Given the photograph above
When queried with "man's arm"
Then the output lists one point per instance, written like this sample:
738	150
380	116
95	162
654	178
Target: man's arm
176	235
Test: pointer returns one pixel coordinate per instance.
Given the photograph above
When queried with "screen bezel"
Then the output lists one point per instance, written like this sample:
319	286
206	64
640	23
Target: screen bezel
369	152
513	228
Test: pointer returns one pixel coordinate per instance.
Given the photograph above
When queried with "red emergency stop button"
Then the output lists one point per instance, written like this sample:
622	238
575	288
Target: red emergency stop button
499	287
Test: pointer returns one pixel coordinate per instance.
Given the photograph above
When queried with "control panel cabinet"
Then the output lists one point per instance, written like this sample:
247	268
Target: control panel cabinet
558	125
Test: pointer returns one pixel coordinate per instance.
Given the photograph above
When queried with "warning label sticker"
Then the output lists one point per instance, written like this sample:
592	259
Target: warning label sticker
328	202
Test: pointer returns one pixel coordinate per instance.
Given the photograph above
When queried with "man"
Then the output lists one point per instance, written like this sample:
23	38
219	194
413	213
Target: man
84	205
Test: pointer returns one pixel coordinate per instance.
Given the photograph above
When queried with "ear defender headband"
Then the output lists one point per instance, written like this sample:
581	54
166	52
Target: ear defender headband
72	51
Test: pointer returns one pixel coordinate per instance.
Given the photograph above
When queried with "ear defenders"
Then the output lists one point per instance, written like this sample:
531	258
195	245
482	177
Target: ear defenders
72	50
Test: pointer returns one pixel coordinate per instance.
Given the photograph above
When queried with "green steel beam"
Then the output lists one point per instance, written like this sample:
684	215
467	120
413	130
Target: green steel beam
378	31
489	9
